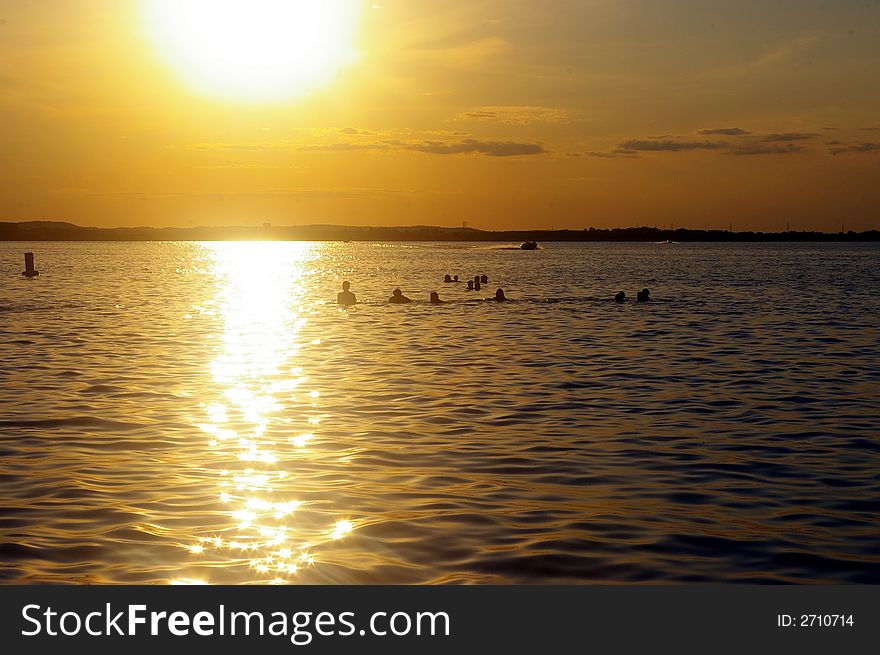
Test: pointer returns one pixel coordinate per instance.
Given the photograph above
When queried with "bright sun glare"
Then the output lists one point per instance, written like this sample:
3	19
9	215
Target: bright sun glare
254	49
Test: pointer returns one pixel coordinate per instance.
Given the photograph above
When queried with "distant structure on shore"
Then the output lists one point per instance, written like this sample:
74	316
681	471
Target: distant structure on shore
61	231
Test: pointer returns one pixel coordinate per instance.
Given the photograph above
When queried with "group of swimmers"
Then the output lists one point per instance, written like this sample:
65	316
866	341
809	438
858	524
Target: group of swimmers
472	285
642	296
346	297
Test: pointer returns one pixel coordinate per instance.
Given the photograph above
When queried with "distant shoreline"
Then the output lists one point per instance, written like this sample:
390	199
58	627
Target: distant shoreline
60	231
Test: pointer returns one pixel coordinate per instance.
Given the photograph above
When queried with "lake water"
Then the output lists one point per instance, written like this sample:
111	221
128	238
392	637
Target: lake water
205	412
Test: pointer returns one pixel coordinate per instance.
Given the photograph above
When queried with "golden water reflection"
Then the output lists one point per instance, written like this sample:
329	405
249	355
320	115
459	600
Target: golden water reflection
251	425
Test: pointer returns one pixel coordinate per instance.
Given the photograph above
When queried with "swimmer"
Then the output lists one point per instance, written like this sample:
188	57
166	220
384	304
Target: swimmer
476	279
455	278
470	285
398	297
620	297
346	297
435	298
484	279
446	278
643	296
477	286
499	296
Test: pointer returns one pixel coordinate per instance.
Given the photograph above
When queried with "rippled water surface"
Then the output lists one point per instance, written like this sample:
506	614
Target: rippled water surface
186	412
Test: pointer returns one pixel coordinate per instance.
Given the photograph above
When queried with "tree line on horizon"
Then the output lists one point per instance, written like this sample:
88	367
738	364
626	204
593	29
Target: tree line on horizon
61	231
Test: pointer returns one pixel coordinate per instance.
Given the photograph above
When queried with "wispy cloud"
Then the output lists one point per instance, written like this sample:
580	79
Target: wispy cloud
765	149
854	148
743	142
239	147
667	145
612	154
437	147
448	146
515	114
490	148
771	57
723	131
466	54
788	136
344	146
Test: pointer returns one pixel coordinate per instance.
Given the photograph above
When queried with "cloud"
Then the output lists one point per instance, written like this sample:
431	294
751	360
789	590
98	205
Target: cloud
770	58
481	114
765	149
436	147
724	131
468	146
788	136
239	147
749	144
515	114
466	54
604	154
855	148
666	145
436	143
344	147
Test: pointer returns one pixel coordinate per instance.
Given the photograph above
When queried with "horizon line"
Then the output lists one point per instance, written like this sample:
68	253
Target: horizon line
60	224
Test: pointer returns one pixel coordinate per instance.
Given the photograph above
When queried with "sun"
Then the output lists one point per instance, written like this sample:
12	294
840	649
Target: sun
254	50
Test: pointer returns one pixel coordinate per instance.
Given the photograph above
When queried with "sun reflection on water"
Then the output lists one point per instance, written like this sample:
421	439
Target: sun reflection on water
264	306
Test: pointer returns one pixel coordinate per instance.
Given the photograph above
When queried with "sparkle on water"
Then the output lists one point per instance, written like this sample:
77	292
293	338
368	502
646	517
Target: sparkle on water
246	425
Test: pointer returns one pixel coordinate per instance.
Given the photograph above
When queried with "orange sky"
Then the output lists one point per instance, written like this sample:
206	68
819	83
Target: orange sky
504	113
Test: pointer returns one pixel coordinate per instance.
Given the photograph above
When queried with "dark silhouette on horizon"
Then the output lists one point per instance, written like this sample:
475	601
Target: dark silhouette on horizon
64	231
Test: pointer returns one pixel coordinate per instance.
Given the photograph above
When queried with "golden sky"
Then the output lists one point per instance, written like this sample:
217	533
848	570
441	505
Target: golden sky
504	113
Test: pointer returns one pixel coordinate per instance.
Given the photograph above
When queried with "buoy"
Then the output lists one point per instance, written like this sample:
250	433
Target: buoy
29	270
